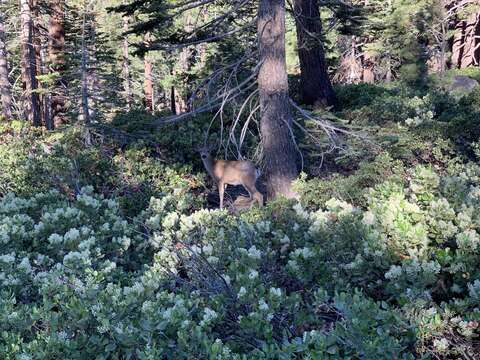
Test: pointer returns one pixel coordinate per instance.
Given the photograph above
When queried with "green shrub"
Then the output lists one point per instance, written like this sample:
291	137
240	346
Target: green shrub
406	109
464	126
316	191
397	278
355	96
32	161
70	159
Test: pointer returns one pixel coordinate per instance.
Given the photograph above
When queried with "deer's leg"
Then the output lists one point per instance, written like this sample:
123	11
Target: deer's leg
255	195
250	191
258	198
221	192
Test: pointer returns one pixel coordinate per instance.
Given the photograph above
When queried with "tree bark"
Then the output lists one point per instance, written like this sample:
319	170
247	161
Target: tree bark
466	41
173	105
181	96
148	81
368	75
38	46
29	66
148	85
471	42
56	50
314	80
458	44
279	150
84	69
93	80
5	87
127	81
389	75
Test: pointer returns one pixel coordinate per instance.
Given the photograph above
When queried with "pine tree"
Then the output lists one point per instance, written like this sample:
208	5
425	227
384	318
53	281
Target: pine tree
127	81
57	62
466	43
5	87
275	111
314	80
29	66
148	79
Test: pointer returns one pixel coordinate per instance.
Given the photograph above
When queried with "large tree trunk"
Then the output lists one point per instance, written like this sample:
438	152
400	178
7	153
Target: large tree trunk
127	81
314	81
458	44
466	41
5	87
280	155
56	32
471	43
29	66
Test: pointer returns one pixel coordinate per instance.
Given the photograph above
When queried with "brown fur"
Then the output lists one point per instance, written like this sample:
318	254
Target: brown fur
227	172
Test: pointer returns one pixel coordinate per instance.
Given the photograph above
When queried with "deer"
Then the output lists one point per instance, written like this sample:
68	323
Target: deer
232	172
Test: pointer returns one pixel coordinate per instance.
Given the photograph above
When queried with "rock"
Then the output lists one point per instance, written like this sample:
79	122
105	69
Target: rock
463	84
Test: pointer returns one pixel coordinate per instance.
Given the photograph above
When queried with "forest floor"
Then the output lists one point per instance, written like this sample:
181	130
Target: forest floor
117	249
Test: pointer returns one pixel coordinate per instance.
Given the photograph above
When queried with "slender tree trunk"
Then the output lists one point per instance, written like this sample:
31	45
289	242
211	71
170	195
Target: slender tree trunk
183	65
180	103
127	81
56	31
46	110
37	45
29	67
173	105
368	75
314	81
5	87
279	149
354	69
388	75
93	81
84	69
148	81
148	84
443	48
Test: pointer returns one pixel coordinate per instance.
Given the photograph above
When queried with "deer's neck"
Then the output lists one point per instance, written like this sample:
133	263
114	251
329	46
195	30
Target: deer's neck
209	164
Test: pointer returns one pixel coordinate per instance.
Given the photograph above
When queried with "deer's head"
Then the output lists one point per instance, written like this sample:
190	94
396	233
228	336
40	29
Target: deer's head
205	151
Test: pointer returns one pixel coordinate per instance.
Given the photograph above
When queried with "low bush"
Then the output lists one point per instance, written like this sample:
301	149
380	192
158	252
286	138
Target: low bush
397	277
359	95
464	119
67	160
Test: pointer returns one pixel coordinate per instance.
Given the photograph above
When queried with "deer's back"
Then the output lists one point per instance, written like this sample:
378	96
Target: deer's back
235	172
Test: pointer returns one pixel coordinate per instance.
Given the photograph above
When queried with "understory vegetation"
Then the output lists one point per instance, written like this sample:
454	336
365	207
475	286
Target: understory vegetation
112	247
